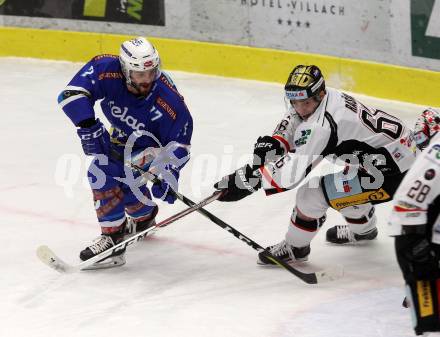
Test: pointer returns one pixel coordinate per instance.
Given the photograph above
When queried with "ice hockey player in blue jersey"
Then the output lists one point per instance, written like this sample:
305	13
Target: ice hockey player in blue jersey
150	125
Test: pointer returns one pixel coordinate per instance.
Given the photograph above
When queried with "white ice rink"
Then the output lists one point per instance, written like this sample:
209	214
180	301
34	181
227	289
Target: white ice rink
192	279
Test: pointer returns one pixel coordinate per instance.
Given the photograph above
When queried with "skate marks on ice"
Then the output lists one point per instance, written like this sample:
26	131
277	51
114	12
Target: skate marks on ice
367	313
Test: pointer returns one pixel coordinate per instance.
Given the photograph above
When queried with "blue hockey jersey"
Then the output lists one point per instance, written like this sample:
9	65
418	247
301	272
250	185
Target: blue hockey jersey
162	113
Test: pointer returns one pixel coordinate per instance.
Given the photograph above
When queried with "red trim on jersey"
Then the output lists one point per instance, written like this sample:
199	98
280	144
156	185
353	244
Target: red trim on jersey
267	176
303	228
403	209
164	79
283	141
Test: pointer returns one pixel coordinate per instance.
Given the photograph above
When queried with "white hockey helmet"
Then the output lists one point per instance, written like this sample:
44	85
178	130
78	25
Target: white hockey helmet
138	54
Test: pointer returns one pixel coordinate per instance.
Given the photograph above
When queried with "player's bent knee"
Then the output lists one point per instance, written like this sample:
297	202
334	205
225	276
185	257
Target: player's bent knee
302	222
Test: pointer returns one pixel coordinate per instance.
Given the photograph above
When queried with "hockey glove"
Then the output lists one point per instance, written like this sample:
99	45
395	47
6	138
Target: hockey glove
418	259
94	137
427	126
238	185
266	149
164	189
419	262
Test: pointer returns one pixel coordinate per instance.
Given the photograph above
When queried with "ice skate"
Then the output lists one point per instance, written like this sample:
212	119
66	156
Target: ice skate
284	252
101	244
135	226
342	235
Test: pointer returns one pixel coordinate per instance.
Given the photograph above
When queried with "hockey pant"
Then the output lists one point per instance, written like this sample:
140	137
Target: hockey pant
113	198
343	194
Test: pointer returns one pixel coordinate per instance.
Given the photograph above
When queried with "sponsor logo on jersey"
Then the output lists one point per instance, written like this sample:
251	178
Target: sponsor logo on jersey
359	199
305	135
113	76
123	116
397	155
168	82
430	174
96	58
164	105
378	195
346	186
408	140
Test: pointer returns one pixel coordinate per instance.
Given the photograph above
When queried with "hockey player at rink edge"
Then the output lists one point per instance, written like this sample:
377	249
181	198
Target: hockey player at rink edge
415	224
147	116
324	122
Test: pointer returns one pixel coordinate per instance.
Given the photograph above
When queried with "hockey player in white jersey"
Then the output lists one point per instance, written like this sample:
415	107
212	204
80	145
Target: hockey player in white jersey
415	223
324	122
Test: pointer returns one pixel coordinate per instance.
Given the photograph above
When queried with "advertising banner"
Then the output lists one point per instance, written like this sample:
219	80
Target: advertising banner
425	28
335	27
405	33
148	12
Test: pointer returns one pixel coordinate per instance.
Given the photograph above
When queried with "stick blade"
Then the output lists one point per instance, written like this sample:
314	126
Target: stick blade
48	257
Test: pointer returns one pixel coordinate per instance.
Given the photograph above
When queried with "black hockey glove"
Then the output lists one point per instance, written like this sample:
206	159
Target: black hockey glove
94	137
417	257
238	185
419	262
266	149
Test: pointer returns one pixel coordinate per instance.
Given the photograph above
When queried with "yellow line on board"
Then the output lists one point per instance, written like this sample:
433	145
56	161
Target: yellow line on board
370	78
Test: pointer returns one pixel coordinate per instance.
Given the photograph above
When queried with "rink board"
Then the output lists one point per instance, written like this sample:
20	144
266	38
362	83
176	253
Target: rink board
370	78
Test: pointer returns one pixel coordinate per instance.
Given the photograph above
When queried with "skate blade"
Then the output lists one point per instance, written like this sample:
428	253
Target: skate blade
110	262
352	243
292	263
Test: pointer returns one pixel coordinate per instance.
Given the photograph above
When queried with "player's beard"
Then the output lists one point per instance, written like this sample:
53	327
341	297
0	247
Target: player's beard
141	89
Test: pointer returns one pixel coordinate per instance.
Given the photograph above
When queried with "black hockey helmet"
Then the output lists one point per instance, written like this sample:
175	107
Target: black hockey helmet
304	82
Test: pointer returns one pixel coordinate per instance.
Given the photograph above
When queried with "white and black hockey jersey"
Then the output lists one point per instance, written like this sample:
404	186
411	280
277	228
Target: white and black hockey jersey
417	200
340	126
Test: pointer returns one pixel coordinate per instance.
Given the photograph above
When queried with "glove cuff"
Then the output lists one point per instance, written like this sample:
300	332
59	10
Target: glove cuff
250	181
283	142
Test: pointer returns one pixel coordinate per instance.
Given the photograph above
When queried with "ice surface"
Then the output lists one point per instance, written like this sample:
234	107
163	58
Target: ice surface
192	278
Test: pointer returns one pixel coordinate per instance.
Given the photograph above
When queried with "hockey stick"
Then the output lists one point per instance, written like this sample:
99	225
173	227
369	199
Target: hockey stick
330	274
48	257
